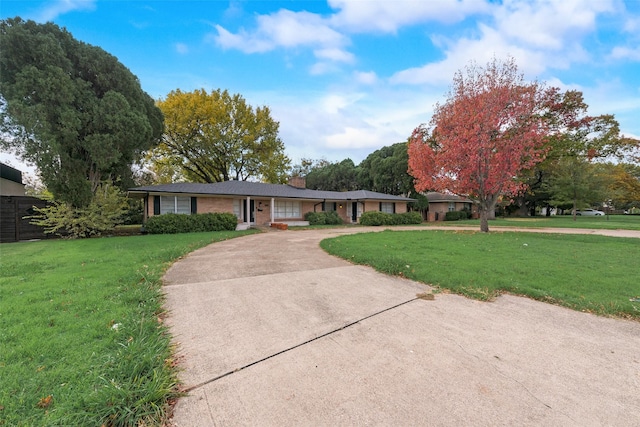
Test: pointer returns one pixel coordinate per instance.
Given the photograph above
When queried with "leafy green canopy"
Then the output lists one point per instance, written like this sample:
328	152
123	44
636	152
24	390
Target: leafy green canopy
216	136
385	171
71	109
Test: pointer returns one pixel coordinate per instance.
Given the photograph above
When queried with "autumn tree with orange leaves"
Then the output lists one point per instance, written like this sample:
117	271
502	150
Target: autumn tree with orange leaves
490	128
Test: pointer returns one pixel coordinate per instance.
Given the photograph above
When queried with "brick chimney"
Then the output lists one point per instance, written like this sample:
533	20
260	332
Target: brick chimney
298	182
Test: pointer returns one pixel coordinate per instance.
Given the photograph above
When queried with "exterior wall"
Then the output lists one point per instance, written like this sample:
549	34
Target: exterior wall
401	207
438	210
11	188
215	204
342	212
263	210
371	206
262	206
310	207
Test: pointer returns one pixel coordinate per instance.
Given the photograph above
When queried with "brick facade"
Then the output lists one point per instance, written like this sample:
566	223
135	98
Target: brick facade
262	207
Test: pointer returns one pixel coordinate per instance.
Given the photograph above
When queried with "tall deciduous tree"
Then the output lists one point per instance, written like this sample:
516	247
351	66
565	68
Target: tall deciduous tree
71	109
338	176
385	171
488	131
577	141
217	136
624	185
576	183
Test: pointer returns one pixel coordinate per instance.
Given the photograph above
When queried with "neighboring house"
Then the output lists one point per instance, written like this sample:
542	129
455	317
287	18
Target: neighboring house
10	181
255	203
440	204
15	208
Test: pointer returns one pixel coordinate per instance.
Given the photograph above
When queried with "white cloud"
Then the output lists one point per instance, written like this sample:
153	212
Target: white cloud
59	7
335	103
361	137
549	24
632	25
459	53
621	52
539	35
387	16
333	54
343	123
181	48
365	78
283	29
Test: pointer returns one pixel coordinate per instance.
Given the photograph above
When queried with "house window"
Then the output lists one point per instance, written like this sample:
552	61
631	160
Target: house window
387	207
237	208
452	206
175	204
287	209
328	206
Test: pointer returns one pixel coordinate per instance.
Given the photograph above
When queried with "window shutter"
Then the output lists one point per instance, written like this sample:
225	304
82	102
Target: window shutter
335	206
380	206
194	205
156	205
394	207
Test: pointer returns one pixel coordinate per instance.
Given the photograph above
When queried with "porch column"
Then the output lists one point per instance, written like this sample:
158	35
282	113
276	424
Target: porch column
247	218
272	209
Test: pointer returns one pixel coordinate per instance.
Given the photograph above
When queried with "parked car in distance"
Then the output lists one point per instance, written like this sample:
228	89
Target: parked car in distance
589	212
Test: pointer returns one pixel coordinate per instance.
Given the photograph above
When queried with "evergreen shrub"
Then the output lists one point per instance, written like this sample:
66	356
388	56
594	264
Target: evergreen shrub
181	223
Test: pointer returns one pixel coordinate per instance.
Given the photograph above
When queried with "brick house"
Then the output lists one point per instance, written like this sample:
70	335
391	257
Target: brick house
256	203
441	203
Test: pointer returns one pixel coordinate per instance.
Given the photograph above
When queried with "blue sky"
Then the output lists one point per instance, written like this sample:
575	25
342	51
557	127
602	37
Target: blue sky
346	77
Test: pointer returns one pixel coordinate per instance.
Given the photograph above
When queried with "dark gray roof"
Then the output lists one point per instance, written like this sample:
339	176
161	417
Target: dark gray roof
434	197
259	189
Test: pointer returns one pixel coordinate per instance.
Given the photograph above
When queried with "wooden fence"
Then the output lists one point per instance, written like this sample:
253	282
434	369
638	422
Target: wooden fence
13	226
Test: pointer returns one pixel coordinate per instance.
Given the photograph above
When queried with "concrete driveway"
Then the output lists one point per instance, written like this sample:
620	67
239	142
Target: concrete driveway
272	331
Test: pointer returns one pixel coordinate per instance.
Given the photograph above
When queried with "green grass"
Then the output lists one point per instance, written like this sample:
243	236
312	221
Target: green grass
610	222
588	273
82	340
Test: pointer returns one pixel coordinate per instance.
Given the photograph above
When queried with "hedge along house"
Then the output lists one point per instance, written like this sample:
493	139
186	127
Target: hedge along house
255	203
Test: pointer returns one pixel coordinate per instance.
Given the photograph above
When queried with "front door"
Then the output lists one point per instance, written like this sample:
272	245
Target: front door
252	208
354	212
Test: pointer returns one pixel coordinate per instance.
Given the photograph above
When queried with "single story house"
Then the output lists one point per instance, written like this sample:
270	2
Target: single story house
256	203
441	203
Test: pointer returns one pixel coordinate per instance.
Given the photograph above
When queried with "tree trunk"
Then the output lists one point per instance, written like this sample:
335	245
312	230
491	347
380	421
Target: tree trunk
484	219
487	211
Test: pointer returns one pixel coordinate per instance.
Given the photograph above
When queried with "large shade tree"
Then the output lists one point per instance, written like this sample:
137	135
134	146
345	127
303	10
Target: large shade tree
576	142
490	128
338	176
71	109
385	171
216	136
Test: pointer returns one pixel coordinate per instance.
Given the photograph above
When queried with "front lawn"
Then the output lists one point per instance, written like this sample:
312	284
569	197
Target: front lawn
589	273
607	222
82	340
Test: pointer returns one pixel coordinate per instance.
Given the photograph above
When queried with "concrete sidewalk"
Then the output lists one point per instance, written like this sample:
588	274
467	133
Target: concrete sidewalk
273	331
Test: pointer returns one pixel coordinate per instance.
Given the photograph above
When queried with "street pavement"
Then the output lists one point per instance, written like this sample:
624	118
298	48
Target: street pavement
272	331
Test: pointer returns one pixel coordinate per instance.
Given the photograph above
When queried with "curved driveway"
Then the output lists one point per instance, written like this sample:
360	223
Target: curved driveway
272	331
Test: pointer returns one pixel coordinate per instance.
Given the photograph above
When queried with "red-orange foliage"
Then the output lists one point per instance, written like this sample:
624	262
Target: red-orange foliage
490	129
